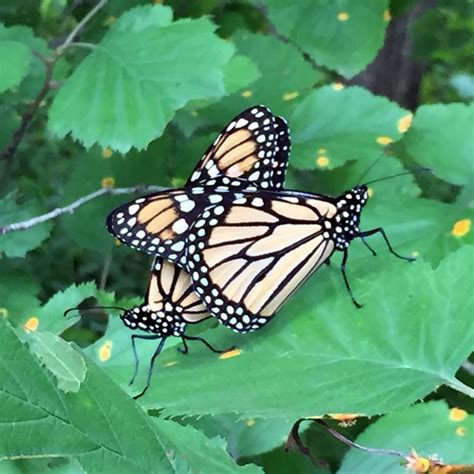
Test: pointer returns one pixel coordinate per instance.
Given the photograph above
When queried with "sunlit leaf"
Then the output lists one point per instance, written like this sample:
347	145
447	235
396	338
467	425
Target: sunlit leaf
145	68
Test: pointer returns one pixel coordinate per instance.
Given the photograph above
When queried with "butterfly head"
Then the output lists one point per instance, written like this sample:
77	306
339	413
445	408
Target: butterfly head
162	322
345	223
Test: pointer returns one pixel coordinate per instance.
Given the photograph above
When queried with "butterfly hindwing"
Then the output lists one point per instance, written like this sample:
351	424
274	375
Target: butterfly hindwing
249	255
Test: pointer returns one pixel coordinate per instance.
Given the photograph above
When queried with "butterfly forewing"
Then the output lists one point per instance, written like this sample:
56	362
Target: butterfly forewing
249	255
252	150
250	153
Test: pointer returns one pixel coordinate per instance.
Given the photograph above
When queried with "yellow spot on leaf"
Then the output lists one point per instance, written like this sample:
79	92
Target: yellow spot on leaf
461	228
343	16
322	161
117	242
461	431
171	363
370	192
108	182
247	93
415	254
110	20
456	414
417	463
32	324
384	140
291	95
345	419
229	354
404	123
105	351
250	422
386	15
107	152
337	86
194	113
4	312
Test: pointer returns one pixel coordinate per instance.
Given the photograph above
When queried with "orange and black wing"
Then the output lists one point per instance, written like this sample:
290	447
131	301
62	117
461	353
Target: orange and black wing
170	291
248	256
252	150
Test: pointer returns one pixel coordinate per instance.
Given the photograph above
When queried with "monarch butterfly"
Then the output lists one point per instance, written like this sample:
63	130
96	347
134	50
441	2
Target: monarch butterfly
250	153
169	306
249	254
238	158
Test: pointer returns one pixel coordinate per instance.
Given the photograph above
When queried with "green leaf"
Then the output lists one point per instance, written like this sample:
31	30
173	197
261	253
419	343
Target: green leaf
344	35
38	420
145	68
245	438
14	61
51	315
427	428
370	361
189	448
332	126
66	364
441	138
239	72
18	243
285	78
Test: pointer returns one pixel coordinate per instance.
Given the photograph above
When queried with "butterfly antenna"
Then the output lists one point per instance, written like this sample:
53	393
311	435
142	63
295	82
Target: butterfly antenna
416	170
364	174
93	309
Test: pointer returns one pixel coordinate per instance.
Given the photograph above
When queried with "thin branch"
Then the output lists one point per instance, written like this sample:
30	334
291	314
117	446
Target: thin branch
79	44
73	206
27	117
80	26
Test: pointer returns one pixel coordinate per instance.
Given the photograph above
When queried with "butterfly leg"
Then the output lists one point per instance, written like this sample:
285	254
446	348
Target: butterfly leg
380	230
372	251
133	337
216	351
346	281
185	350
150	368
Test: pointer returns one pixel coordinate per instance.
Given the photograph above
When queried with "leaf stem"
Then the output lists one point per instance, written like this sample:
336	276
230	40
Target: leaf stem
23	225
79	27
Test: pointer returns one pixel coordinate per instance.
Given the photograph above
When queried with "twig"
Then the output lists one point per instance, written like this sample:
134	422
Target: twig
27	117
72	207
79	27
106	269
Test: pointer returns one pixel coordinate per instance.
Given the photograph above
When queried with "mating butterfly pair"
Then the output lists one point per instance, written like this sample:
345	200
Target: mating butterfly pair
239	243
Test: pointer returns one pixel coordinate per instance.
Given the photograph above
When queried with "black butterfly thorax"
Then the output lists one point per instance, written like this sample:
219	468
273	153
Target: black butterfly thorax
164	322
343	227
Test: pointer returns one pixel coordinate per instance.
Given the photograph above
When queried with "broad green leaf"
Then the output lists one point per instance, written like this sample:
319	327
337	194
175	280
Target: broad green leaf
191	450
18	243
245	437
32	77
145	68
239	72
441	137
51	315
38	420
343	35
285	78
333	125
431	429
66	364
14	61
369	361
